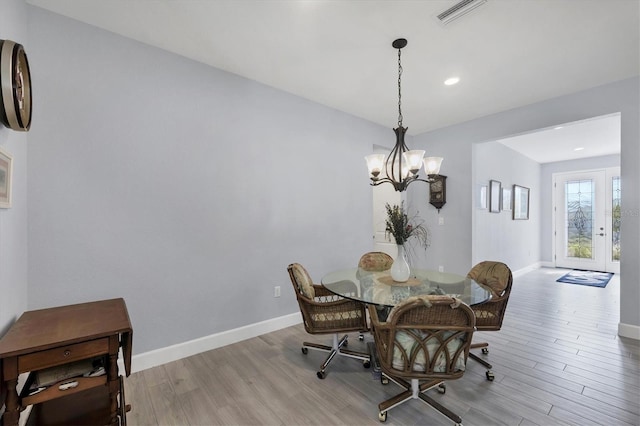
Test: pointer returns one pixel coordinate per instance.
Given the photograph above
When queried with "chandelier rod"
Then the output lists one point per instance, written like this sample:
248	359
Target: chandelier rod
399	87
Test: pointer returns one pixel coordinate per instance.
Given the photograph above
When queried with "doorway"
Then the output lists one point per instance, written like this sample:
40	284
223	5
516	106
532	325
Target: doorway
587	219
383	194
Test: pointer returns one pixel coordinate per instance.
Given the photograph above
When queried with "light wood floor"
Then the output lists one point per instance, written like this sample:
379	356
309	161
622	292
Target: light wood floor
557	360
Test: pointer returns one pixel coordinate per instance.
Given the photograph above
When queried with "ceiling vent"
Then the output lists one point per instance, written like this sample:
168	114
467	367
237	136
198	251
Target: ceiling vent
459	9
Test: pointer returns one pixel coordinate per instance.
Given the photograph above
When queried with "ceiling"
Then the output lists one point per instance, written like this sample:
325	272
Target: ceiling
569	141
507	53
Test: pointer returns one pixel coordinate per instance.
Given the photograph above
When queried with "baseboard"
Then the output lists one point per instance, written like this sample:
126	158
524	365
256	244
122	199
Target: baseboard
526	269
161	356
547	264
628	330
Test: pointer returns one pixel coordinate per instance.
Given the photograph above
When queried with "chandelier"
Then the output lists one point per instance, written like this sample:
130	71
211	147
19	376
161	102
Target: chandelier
401	166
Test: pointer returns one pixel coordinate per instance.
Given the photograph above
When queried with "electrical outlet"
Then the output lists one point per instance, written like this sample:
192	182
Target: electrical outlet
440	268
276	291
441	221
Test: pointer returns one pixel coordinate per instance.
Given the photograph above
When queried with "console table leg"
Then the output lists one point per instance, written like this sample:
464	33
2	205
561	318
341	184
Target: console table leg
12	413
114	388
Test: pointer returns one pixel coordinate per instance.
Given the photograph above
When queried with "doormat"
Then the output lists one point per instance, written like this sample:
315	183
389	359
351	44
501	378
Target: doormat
589	278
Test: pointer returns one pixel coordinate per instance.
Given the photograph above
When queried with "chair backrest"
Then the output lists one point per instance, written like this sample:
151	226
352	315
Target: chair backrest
375	261
498	278
301	280
424	337
305	293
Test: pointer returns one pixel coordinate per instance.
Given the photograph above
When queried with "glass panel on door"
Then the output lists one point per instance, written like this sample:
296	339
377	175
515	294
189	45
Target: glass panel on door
579	212
587	219
615	222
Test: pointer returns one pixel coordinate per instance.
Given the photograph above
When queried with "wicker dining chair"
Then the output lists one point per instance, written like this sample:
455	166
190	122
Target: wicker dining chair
375	261
425	338
497	277
369	263
326	313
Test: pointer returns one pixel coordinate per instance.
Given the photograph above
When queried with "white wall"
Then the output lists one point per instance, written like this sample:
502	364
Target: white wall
455	144
182	188
13	221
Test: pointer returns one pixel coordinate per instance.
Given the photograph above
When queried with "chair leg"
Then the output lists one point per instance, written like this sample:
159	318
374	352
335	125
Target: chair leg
480	360
442	409
395	401
415	390
335	349
484	346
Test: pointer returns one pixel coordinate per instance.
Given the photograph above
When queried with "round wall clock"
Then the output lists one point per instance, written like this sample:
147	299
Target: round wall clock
15	86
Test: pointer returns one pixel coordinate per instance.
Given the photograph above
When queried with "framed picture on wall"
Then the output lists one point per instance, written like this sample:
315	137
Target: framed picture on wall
495	190
520	203
482	197
506	199
6	162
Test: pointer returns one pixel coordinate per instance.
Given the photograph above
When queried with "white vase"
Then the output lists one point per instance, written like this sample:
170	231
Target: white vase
400	270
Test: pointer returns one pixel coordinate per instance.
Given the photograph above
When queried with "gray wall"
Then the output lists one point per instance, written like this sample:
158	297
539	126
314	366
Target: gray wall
496	236
470	235
450	242
182	188
13	221
546	203
455	144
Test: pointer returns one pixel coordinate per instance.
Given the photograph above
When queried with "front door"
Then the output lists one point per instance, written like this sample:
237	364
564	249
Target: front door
587	225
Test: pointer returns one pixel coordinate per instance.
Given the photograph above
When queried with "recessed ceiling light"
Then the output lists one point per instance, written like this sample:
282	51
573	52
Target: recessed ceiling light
557	128
451	81
580	148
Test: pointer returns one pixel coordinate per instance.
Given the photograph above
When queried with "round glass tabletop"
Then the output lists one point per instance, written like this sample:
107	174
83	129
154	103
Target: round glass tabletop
379	288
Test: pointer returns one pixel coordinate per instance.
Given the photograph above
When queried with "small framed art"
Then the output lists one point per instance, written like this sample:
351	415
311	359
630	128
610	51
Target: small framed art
6	163
482	198
520	202
495	190
506	199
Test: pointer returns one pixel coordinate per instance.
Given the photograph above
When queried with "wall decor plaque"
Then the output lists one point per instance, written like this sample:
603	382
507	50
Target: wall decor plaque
6	164
495	192
520	203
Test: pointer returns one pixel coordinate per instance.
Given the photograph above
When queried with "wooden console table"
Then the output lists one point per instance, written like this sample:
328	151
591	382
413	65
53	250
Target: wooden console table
59	336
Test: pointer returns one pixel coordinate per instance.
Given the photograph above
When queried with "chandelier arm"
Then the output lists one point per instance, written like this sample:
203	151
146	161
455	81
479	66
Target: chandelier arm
427	180
394	155
399	186
404	183
380	181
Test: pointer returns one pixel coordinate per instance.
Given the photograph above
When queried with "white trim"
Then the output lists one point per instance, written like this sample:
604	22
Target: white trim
629	330
182	350
548	264
178	351
526	269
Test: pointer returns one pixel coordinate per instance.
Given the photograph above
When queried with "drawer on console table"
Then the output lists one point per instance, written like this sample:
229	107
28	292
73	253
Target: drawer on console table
62	355
58	390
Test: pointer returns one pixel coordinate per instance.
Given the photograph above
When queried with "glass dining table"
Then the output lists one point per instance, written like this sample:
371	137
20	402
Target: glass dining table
378	288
